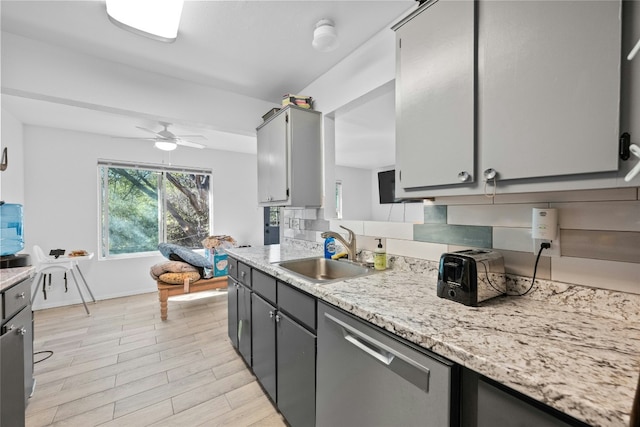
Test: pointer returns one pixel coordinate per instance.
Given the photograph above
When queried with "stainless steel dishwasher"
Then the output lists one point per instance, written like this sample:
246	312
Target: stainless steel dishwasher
366	377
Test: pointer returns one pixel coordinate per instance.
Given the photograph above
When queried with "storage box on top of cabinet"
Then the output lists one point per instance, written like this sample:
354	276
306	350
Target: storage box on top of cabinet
290	159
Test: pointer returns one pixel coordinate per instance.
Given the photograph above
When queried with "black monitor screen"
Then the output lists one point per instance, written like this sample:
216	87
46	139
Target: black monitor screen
387	186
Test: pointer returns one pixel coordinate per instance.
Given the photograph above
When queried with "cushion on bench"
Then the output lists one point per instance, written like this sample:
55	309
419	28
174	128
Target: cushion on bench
170	267
179	278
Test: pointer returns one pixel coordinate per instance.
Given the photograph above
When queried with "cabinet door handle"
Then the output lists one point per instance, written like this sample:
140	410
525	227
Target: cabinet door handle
271	314
464	176
20	331
278	318
490	174
20	295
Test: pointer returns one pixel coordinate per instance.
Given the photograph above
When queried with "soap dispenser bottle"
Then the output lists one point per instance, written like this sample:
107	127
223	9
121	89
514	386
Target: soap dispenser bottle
380	257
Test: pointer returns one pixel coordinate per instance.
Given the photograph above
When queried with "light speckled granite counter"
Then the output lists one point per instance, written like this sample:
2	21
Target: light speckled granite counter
575	349
11	276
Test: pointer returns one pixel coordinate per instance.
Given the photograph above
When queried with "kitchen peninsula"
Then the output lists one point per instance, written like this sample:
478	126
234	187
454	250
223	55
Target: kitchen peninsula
572	348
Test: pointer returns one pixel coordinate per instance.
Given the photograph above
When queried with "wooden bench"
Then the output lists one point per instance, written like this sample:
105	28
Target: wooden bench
166	290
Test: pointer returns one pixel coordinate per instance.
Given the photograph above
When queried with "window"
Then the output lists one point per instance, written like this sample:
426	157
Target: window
143	205
339	199
274	216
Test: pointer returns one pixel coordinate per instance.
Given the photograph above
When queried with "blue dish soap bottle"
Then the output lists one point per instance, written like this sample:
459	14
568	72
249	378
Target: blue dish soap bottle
329	247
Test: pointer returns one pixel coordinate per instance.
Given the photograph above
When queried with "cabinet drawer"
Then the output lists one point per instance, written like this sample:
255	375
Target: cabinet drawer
233	267
264	285
297	304
16	297
244	274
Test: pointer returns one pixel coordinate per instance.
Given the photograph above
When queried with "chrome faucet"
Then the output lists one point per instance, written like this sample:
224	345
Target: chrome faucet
350	246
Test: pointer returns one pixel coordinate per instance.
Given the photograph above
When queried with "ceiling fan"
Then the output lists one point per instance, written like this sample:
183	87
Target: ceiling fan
168	141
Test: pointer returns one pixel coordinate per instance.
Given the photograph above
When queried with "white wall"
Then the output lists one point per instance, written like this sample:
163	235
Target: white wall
61	202
356	192
392	212
12	179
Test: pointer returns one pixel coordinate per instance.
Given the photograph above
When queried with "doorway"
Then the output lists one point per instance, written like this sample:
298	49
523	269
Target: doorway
271	225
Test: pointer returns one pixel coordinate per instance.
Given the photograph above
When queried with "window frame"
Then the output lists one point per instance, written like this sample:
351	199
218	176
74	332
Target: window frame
103	196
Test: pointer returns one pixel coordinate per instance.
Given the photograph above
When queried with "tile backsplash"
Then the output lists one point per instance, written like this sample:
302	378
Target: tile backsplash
599	241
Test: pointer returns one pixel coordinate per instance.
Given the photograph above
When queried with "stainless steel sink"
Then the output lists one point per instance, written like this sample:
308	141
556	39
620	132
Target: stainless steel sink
322	270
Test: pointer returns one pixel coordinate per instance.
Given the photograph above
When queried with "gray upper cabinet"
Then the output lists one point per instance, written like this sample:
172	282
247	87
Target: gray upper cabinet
435	95
529	89
272	160
290	159
549	87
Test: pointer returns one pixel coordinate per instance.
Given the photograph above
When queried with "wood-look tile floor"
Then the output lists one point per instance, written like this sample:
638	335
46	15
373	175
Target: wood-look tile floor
123	366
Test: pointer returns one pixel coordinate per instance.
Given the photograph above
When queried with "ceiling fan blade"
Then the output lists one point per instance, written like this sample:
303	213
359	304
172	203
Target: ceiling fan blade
137	138
192	136
189	143
150	131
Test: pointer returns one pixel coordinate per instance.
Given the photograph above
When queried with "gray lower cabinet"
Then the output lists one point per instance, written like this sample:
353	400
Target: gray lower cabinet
12	372
264	343
239	313
497	407
282	341
296	367
232	310
16	353
244	323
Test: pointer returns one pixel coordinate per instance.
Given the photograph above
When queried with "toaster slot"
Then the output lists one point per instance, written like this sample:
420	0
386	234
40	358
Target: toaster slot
453	271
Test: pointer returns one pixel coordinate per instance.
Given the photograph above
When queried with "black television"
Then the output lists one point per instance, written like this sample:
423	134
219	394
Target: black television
387	186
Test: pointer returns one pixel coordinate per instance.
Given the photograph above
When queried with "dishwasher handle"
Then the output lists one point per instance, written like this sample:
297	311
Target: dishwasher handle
383	356
401	364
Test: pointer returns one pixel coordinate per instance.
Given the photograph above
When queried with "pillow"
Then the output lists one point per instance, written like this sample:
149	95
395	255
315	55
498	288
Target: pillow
170	267
179	278
180	253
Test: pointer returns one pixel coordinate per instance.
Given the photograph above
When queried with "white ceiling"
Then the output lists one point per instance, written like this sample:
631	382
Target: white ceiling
260	49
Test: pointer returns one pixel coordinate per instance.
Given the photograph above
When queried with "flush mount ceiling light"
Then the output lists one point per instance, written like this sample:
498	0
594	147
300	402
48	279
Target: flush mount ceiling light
325	37
165	145
155	19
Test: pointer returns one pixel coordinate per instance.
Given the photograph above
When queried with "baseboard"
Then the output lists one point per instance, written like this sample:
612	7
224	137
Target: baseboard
39	304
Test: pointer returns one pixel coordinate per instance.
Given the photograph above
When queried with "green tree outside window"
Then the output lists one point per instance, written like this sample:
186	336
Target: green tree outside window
143	207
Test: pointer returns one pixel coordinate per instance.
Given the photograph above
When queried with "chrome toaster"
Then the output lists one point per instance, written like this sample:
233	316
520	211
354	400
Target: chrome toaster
471	276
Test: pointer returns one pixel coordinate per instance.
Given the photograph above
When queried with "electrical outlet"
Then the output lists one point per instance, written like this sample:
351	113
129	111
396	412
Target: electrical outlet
554	250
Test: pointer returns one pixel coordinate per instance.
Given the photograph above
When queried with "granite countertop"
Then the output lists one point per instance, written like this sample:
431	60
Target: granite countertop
574	348
11	276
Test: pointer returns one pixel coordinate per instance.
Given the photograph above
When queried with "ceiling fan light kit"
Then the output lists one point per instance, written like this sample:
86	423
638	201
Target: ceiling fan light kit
165	145
158	20
325	37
